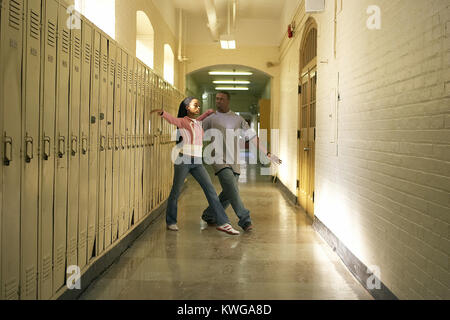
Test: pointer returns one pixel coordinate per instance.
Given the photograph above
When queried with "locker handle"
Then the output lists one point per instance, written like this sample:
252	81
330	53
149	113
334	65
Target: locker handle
61	151
110	140
128	141
117	143
74	146
46	155
8	151
28	155
84	145
122	144
102	145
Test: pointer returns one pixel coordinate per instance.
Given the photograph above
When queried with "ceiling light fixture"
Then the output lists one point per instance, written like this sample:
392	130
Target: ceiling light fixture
227	41
231	82
232	88
229	73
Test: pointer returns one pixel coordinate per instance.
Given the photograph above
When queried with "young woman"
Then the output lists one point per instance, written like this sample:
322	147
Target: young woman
190	128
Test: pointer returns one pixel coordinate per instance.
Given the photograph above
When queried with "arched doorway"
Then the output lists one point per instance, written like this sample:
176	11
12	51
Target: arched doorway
145	39
307	117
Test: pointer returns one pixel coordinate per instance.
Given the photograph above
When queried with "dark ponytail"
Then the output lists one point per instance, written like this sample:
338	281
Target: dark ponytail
182	112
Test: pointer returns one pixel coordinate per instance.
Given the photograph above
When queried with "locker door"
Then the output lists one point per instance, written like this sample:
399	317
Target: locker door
117	147
128	109
145	158
10	106
47	155
110	137
160	147
86	38
139	163
154	131
73	151
136	148
93	147
132	134
103	143
123	142
30	134
61	135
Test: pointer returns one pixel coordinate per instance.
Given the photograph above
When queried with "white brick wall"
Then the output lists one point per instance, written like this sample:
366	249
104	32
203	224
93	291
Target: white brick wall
386	194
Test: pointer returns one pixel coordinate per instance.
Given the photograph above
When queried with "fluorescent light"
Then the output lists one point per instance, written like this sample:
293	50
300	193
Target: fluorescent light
232	88
229	73
227	42
231	82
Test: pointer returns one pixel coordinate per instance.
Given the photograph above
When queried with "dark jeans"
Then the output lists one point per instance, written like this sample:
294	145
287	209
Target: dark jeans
200	174
229	195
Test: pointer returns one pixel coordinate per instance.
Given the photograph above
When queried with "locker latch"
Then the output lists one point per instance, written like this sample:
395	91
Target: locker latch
8	151
61	150
46	154
74	146
93	119
102	116
84	145
28	154
102	145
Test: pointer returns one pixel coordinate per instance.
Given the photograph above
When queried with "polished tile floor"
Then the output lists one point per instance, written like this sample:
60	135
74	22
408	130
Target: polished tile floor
282	258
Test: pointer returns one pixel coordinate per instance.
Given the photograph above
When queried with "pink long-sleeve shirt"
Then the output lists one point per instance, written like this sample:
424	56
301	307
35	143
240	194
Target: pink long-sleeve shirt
191	130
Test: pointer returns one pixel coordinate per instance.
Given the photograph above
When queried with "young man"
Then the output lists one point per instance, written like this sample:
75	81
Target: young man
228	169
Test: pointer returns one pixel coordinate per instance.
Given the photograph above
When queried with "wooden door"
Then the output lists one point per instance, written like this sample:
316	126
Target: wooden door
307	121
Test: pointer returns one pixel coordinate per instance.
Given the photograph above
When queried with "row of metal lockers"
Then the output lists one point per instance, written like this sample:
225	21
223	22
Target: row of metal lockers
83	162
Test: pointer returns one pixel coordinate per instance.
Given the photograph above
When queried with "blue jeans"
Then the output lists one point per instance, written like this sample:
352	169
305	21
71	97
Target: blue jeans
229	195
200	174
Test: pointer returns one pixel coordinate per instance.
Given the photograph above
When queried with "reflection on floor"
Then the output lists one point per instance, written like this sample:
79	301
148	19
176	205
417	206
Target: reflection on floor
282	258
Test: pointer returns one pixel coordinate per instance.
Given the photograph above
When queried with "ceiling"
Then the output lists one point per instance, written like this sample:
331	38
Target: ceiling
246	9
258	80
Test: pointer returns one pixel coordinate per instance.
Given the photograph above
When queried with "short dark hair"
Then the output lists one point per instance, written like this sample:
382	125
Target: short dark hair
225	93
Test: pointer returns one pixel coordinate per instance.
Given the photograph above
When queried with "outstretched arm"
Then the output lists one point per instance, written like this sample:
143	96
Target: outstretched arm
257	143
168	117
206	115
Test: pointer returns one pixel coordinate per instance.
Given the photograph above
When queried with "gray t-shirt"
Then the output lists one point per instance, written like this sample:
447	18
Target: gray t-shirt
235	127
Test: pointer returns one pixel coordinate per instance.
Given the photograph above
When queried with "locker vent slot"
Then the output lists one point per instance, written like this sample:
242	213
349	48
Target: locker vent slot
82	242
87	53
124	73
46	268
11	290
30	281
73	246
51	34
65	41
60	255
15	10
112	67
97	59
105	63
77	47
119	71
34	25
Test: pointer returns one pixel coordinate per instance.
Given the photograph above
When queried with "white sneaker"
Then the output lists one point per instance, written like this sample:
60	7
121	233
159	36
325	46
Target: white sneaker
227	228
172	227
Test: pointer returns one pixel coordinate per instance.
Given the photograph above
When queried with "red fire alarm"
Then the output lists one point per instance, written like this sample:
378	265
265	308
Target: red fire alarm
290	31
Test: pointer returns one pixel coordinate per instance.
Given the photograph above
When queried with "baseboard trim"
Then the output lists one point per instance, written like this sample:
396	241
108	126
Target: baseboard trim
285	190
107	259
353	264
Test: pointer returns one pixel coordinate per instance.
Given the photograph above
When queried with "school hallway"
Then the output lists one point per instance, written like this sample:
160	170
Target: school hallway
282	258
353	96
